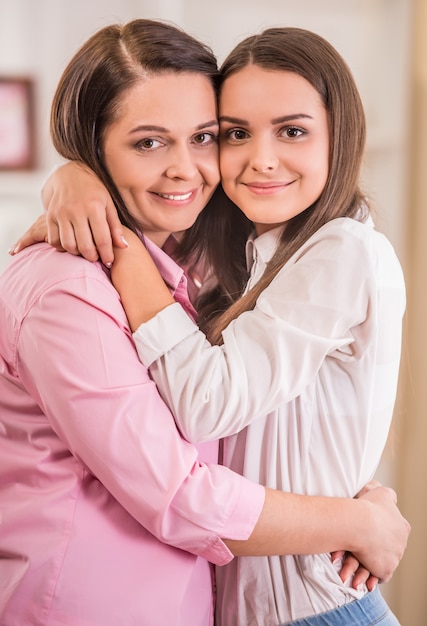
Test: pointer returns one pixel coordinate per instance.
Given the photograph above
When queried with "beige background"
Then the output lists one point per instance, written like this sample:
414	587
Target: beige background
385	44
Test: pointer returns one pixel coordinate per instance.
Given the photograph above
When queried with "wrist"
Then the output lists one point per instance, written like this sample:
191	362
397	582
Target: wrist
360	520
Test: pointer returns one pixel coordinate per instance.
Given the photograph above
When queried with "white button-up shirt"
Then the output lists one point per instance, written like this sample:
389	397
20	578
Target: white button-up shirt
303	391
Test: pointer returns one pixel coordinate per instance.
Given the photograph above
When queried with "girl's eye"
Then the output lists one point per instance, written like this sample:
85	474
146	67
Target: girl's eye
234	135
203	139
148	144
292	132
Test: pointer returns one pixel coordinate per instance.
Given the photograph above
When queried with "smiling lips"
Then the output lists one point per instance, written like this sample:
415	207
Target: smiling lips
264	189
176	197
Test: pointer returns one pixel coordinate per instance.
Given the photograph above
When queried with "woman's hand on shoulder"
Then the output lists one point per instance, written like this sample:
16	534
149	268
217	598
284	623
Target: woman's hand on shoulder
36	233
80	216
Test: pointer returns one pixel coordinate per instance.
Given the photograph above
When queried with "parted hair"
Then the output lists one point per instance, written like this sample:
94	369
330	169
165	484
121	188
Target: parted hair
312	57
90	91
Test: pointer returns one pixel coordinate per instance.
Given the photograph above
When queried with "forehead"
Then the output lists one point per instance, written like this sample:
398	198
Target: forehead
166	96
258	89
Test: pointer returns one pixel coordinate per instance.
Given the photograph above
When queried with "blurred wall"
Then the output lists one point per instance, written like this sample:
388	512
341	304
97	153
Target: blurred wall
377	39
409	580
38	38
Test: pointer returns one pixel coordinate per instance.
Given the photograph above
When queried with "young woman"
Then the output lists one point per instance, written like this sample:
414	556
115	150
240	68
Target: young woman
303	382
151	142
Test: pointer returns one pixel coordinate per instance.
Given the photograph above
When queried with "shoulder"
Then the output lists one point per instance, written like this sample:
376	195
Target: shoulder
347	230
348	238
346	252
40	269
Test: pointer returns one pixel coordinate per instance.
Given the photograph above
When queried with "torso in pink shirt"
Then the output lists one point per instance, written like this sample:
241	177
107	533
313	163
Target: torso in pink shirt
91	458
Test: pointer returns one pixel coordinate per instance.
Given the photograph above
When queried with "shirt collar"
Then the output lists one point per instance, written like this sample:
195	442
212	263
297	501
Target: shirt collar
171	272
262	247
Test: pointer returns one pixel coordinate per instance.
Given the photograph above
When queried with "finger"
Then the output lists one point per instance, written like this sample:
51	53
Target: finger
360	577
349	567
337	555
372	582
23	242
393	495
35	234
373	484
84	240
61	236
102	238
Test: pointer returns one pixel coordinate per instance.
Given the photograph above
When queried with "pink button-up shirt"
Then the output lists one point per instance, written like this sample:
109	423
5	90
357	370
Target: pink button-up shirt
96	484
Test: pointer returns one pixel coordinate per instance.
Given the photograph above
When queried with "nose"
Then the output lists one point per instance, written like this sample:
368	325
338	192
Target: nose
263	157
183	164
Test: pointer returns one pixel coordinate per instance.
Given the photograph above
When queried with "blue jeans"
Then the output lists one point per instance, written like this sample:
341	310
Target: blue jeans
371	610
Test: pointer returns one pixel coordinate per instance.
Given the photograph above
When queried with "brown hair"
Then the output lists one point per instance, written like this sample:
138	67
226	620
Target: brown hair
313	58
92	86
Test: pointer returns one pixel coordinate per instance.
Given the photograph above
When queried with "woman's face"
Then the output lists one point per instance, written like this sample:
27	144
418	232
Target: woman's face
162	151
274	148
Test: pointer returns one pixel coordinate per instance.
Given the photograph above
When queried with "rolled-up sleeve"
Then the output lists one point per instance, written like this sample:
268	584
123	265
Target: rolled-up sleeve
76	357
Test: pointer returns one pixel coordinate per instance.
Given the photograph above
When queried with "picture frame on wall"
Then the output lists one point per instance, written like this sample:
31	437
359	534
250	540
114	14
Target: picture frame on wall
17	132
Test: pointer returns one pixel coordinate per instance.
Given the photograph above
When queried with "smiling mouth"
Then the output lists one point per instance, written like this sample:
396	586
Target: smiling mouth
175	197
266	188
267	185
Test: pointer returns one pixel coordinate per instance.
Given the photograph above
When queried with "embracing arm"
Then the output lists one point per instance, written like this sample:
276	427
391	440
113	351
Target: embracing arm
314	309
100	403
287	523
310	513
371	539
80	216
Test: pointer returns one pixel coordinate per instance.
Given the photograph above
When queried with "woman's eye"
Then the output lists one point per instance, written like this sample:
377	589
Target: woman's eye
292	132
148	144
236	134
204	138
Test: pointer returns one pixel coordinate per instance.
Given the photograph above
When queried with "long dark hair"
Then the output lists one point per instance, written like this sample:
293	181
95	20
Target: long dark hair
312	57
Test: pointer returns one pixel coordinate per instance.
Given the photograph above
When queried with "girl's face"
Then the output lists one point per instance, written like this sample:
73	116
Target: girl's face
274	155
162	153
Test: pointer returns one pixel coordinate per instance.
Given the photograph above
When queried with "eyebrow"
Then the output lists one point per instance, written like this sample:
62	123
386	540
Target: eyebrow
163	129
276	120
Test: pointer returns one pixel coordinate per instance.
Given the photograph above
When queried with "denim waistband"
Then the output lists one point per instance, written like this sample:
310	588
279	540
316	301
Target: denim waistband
371	610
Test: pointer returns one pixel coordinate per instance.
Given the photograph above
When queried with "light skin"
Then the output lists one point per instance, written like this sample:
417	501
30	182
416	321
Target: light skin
274	144
274	163
273	167
166	171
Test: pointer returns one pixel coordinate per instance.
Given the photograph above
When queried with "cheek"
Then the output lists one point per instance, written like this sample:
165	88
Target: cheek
136	175
320	166
116	168
210	167
323	172
324	159
228	182
213	174
317	182
227	163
